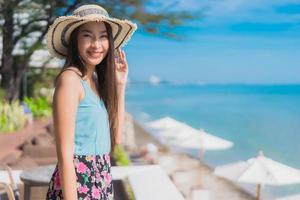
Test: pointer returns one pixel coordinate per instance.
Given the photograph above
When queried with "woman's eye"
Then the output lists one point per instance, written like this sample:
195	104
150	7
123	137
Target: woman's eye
86	35
103	36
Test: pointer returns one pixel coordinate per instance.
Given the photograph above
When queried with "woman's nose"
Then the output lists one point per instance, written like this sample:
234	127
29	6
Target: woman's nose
96	43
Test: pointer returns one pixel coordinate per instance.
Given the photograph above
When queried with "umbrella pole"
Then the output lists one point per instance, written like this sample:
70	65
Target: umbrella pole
201	154
258	191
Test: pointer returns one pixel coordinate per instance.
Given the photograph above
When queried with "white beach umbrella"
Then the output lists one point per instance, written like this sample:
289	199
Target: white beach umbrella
292	197
200	139
176	133
163	129
164	123
261	171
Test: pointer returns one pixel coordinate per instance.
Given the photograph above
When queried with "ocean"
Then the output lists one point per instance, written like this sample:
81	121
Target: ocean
253	117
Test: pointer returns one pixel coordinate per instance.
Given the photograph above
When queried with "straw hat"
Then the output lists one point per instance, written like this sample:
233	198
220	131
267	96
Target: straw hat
59	32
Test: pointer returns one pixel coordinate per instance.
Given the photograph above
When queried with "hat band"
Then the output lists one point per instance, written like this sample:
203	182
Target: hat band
91	11
63	33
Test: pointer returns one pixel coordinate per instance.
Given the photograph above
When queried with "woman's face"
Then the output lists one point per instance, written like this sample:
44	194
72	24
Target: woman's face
93	42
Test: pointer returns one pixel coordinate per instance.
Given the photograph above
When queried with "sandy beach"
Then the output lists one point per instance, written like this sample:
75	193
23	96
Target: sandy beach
189	173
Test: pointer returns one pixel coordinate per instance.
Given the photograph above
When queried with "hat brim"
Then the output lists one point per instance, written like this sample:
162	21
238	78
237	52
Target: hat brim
59	32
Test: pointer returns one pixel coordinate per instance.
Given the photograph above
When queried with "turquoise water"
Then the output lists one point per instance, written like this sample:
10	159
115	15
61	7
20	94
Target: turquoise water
254	117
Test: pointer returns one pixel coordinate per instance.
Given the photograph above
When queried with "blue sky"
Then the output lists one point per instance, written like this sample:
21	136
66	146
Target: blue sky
237	41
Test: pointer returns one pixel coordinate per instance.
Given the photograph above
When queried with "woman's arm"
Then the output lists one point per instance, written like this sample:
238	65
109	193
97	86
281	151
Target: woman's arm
65	102
122	73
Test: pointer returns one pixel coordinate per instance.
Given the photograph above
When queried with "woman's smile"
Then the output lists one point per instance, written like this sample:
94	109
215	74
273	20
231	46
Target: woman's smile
94	54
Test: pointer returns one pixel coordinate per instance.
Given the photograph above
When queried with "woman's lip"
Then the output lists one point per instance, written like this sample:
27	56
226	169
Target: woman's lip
94	54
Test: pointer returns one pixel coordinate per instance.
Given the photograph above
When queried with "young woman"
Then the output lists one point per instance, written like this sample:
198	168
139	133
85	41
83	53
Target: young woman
88	102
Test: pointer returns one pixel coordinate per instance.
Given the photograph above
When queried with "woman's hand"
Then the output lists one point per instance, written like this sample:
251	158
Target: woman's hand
121	68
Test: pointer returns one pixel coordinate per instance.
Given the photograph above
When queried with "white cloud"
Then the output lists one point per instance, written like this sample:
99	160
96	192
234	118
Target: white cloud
249	11
234	11
230	6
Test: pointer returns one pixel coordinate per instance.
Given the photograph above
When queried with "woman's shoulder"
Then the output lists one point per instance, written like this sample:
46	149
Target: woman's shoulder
69	77
69	80
69	74
72	70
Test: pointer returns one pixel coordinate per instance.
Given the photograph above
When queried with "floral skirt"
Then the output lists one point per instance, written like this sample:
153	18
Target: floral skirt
93	175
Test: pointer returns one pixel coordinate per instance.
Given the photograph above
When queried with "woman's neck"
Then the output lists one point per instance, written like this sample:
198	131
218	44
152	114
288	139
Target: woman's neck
90	72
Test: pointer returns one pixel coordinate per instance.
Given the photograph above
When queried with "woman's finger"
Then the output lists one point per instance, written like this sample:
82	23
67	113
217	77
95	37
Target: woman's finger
124	58
119	53
122	54
117	57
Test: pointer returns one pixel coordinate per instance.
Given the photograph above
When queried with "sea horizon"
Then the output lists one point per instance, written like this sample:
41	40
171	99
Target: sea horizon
199	83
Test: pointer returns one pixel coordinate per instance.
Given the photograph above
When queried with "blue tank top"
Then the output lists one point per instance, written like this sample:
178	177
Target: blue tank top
92	133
